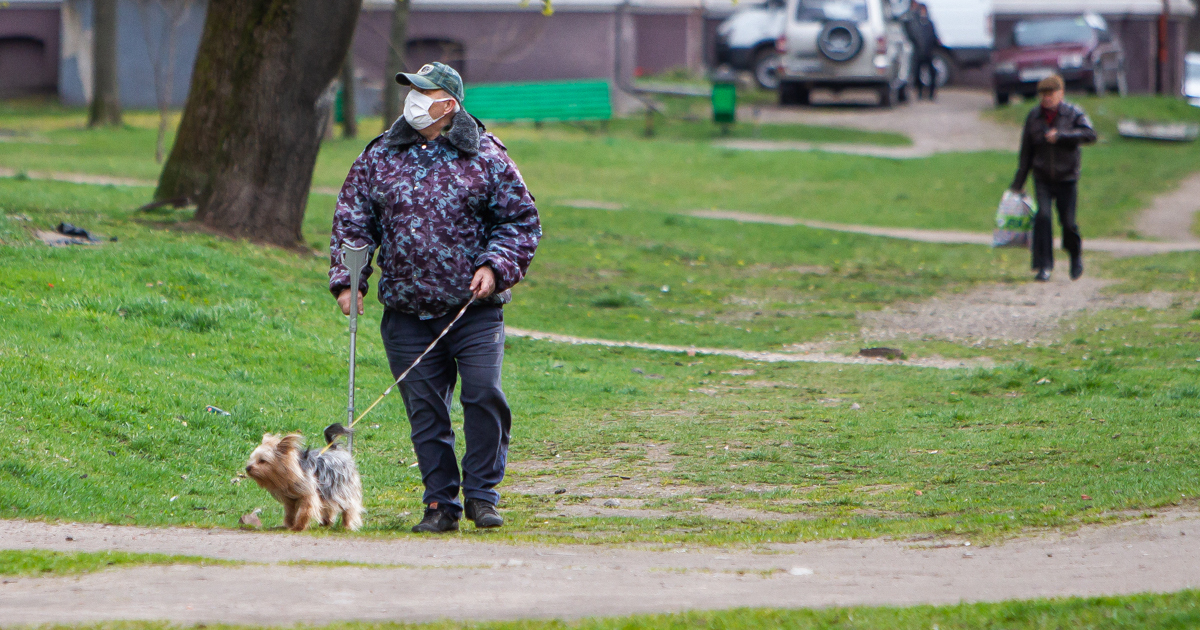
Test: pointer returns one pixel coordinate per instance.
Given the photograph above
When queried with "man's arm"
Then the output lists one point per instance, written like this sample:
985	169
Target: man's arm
1025	160
1082	131
354	222
515	227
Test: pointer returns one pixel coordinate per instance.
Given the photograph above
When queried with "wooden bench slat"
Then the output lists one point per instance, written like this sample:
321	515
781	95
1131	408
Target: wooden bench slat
546	101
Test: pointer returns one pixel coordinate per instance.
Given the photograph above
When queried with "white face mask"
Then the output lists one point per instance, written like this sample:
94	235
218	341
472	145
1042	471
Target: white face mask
416	109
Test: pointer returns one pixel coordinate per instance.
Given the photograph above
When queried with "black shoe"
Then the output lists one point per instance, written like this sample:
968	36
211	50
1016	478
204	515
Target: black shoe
483	513
1076	267
436	521
1043	275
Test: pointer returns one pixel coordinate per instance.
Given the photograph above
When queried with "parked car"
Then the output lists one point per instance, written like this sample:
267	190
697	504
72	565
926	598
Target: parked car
1191	78
840	44
1080	49
746	41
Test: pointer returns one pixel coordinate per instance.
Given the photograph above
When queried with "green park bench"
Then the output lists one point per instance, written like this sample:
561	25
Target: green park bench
538	102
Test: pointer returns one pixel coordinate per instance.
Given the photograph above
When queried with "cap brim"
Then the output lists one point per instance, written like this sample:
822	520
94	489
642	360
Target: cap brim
416	80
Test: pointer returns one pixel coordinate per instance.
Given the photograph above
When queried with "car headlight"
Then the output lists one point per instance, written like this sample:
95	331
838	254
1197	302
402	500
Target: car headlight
1006	68
1070	61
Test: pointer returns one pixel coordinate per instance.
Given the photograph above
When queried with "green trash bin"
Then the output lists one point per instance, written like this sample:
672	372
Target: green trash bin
724	102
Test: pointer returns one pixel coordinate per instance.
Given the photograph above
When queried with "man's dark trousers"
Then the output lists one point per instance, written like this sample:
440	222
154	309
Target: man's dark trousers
1064	195
474	349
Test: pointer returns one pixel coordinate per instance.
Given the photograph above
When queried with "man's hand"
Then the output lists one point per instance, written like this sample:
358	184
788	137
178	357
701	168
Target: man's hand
483	283
1052	136
344	302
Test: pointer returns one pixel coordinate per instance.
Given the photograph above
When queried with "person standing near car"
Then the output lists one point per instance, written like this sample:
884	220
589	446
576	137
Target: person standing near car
923	35
1050	148
447	210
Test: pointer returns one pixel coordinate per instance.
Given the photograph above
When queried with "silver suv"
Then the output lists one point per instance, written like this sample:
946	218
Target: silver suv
840	44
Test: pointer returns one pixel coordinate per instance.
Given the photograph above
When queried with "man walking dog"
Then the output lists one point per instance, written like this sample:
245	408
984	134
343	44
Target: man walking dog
451	219
1050	143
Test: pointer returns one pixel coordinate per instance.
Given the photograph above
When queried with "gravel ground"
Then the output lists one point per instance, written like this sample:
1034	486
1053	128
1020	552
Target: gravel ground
448	577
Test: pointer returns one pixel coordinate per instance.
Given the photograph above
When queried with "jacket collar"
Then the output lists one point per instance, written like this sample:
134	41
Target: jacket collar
463	134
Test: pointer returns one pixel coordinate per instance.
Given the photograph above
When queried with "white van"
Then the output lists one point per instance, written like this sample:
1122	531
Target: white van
965	29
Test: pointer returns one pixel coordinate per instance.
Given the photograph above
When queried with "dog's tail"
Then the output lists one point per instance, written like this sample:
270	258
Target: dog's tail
334	430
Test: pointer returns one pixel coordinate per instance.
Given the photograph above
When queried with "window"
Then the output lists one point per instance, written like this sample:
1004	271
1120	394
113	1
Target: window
1048	32
820	10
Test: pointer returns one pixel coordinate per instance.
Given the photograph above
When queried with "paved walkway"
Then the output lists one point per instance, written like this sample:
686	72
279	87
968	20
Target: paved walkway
450	577
1117	247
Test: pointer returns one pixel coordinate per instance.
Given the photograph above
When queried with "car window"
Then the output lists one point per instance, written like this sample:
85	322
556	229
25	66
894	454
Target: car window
1046	32
819	10
1193	71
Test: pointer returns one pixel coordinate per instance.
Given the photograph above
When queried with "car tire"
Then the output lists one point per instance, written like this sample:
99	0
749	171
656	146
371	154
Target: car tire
766	68
791	93
840	40
1001	98
943	66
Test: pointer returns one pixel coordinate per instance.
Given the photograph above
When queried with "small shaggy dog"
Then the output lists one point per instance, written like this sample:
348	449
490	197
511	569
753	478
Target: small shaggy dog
311	485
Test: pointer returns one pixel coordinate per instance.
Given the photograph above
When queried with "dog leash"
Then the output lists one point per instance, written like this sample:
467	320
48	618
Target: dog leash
410	368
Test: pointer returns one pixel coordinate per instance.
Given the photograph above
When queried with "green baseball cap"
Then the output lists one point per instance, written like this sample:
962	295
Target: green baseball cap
434	76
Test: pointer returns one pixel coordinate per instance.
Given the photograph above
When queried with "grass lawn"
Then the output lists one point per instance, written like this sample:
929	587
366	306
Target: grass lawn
679	170
1149	611
111	354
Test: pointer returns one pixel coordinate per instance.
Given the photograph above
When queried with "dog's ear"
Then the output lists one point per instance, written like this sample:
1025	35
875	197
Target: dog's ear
291	442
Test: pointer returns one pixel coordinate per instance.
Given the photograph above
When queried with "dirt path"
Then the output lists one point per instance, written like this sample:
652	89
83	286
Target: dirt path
79	178
450	577
109	180
1116	247
749	355
1171	215
1023	313
952	124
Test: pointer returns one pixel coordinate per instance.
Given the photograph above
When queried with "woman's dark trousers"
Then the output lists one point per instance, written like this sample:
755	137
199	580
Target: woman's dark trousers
474	351
1063	195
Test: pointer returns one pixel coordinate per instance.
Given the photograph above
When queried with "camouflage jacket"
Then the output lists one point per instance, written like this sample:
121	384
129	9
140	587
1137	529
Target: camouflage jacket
435	211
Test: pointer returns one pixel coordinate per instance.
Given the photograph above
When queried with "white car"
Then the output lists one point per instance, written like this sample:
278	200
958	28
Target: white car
746	41
1191	78
840	44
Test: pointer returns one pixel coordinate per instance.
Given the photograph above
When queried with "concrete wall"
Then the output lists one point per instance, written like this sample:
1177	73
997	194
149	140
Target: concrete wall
29	49
1138	35
486	44
141	31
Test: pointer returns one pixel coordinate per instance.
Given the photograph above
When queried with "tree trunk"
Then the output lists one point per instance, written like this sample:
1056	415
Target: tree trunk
106	96
349	101
397	47
252	126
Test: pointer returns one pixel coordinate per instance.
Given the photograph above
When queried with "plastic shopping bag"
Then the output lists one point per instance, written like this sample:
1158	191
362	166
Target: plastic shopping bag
1014	220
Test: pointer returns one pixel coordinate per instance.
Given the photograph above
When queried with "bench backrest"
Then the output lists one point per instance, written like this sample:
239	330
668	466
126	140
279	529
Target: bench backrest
552	100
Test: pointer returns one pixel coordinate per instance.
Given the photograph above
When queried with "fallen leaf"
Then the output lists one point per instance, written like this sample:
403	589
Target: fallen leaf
250	520
1085	497
1044	381
919	493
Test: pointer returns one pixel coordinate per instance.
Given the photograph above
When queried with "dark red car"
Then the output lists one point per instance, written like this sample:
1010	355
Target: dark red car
1080	49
